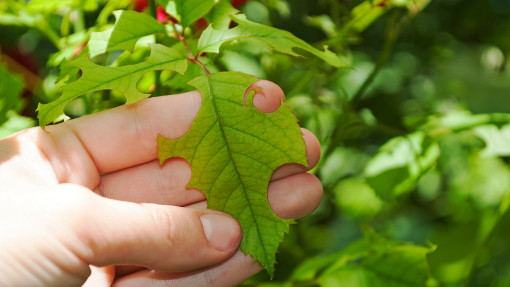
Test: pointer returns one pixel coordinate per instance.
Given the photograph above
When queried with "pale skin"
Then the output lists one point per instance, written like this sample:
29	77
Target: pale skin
87	202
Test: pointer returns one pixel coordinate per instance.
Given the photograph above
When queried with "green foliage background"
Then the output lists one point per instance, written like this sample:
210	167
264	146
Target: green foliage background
415	136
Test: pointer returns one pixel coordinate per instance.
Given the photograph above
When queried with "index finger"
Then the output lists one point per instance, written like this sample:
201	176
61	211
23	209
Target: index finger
126	136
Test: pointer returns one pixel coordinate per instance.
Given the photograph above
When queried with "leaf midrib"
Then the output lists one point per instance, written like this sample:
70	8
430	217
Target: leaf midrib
220	123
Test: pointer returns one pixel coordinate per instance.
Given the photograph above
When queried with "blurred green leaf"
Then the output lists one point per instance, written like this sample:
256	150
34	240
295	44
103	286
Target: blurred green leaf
15	123
458	246
357	199
484	182
400	163
187	11
123	35
496	139
220	14
370	261
238	62
342	162
48	5
11	86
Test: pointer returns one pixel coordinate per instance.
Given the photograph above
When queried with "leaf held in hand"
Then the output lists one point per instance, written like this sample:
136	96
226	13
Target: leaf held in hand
233	149
124	79
279	40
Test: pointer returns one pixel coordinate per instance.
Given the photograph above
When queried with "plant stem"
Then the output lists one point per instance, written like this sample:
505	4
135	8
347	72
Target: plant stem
388	45
157	74
79	22
193	59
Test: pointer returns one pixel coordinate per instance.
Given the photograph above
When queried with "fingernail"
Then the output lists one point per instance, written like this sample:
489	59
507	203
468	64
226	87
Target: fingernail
222	231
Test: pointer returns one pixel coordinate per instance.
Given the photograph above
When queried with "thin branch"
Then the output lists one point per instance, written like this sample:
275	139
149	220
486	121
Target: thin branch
389	43
192	58
157	74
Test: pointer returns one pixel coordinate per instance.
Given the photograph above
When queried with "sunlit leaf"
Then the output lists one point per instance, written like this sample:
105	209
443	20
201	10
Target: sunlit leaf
370	261
279	40
124	34
187	11
356	198
496	139
123	79
398	165
233	149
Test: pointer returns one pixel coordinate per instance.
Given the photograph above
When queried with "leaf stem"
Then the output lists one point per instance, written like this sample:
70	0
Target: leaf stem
389	43
157	74
193	59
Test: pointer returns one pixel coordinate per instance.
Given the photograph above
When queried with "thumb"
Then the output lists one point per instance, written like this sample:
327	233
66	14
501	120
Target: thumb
166	238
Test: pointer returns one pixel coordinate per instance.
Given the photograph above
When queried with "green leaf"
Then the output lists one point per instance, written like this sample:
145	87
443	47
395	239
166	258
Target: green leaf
129	27
367	262
52	5
357	199
496	139
48	5
187	11
11	86
123	79
279	40
14	124
400	163
220	15
233	148
397	266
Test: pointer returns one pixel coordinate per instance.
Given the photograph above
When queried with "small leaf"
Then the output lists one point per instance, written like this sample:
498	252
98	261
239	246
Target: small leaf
496	139
400	163
357	199
370	261
279	40
129	27
187	11
233	149
398	266
123	79
220	15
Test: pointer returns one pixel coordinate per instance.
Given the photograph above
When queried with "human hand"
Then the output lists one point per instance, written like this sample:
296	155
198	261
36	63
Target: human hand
88	201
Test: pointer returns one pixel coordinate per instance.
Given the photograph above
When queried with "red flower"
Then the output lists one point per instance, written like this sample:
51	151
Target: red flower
162	15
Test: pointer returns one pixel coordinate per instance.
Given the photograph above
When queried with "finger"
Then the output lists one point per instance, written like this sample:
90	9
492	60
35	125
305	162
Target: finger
268	96
313	154
124	136
155	236
305	192
152	183
167	184
230	273
291	197
295	196
80	149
